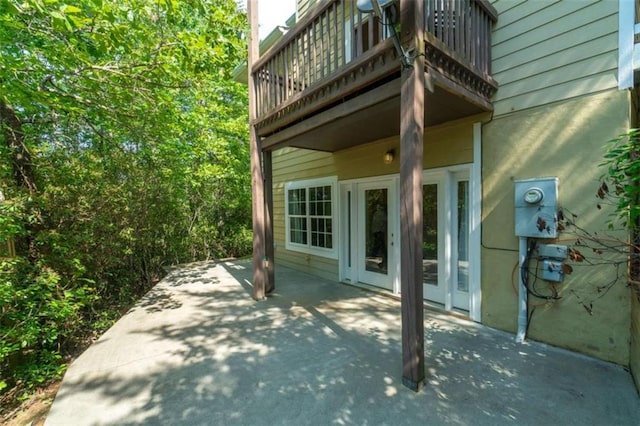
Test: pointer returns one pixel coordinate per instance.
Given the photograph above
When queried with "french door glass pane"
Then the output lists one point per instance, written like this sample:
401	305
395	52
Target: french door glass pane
430	234
463	236
376	230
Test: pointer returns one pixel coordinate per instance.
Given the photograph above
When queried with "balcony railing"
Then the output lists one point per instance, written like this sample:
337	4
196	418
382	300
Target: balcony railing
336	51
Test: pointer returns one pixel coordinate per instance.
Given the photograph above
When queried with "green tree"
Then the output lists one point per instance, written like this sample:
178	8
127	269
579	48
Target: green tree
123	150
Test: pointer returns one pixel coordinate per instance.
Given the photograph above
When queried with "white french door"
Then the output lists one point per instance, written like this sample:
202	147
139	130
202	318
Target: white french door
370	235
445	241
369	243
433	239
376	235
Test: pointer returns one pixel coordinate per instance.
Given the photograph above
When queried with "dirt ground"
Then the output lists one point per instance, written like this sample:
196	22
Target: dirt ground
33	411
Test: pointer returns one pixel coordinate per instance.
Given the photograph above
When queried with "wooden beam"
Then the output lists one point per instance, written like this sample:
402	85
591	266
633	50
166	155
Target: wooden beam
412	23
257	179
458	90
267	163
373	97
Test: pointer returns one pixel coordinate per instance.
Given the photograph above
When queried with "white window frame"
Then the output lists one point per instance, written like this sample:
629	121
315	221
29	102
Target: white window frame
628	52
331	181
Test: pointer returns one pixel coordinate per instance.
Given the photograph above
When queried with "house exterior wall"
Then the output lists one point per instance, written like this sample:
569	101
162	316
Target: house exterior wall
292	164
565	139
549	51
557	105
445	145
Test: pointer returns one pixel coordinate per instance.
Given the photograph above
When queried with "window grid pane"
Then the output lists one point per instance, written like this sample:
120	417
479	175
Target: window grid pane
320	214
297	202
310	216
298	230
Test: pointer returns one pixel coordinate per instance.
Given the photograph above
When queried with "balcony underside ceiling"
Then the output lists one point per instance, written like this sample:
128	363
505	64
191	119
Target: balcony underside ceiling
372	116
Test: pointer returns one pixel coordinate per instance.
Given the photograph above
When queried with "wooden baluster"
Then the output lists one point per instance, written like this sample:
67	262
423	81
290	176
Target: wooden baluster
315	53
449	23
285	74
292	67
336	38
457	30
378	32
269	89
359	31
437	9
343	39
430	7
285	85
467	30
279	72
487	45
309	56
257	81
371	24
319	47
328	43
481	60
292	70
488	42
475	35
300	59
274	81
296	64
352	29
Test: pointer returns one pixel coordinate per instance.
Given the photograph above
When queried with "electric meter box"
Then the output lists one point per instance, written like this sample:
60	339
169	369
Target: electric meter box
536	206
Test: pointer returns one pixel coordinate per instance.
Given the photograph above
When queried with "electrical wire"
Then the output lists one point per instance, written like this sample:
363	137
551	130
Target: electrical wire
515	289
533	309
525	275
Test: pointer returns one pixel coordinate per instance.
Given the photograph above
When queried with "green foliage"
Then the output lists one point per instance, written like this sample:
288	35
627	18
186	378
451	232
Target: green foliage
138	143
38	312
621	187
621	183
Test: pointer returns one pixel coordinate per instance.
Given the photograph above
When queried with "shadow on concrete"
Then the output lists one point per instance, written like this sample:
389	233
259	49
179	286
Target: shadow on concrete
199	350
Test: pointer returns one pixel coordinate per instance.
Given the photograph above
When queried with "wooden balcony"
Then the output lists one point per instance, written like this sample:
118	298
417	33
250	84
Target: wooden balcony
333	81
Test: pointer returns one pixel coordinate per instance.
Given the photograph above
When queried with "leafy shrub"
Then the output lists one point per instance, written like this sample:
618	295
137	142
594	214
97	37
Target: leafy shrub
39	310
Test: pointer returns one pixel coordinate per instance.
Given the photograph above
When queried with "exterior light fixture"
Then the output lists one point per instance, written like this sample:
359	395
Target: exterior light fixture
388	156
376	7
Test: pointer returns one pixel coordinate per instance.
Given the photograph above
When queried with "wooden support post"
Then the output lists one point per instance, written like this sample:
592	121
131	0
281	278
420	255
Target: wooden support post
268	220
411	151
257	178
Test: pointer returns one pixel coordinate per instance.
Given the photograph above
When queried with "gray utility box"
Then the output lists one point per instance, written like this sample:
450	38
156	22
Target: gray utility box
536	205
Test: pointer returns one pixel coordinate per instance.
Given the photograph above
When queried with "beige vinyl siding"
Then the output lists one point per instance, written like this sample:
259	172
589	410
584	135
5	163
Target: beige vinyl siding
548	51
303	7
445	145
291	164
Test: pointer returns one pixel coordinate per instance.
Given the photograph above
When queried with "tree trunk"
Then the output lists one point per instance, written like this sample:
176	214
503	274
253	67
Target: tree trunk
23	175
20	155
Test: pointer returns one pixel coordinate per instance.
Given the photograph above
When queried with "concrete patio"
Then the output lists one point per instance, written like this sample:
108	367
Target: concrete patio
198	350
